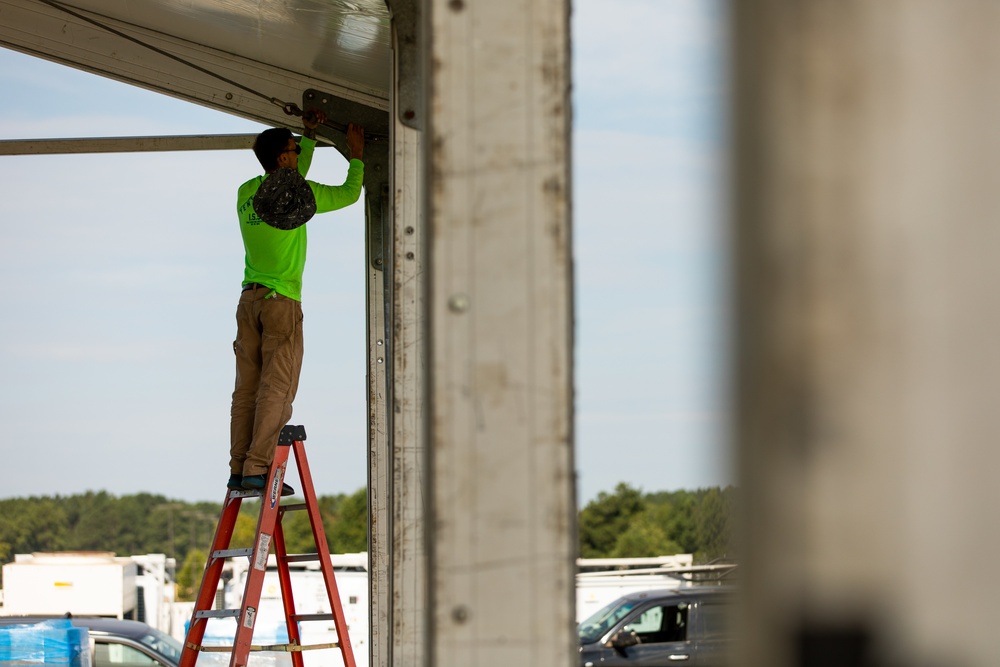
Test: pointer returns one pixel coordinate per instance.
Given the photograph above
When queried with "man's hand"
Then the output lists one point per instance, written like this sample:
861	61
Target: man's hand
356	141
312	119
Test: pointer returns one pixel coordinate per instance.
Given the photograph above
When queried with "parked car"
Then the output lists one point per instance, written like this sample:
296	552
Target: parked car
659	629
118	643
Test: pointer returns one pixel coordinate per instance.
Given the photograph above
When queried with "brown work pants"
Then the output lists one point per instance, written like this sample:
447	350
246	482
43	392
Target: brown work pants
268	350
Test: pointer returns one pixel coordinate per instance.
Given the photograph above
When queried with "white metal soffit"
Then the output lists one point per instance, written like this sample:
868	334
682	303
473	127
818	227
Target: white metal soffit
278	49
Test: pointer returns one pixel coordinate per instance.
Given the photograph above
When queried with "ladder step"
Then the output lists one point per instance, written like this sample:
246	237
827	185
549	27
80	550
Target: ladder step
232	553
292	507
288	648
312	617
217	613
290	434
301	558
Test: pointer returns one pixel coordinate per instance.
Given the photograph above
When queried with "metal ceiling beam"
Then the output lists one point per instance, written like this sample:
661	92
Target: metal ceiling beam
194	142
45	32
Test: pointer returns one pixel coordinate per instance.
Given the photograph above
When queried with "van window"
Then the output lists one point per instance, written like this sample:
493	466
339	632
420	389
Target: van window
714	619
163	644
650	622
660	624
120	655
604	619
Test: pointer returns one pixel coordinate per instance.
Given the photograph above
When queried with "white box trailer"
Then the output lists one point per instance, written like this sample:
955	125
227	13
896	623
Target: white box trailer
83	583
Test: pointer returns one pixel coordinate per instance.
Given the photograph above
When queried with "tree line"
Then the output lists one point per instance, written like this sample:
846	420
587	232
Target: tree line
624	523
630	524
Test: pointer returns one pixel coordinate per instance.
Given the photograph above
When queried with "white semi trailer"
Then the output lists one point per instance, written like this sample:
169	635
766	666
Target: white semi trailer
90	583
83	583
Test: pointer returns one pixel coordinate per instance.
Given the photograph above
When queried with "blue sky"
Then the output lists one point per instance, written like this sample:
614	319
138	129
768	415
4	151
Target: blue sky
121	274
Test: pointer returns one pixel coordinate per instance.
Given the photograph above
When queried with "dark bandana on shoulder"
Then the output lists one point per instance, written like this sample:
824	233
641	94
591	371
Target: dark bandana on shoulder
284	200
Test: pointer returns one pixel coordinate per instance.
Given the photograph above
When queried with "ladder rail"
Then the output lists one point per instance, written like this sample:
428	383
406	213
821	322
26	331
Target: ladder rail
210	580
323	549
266	522
287	597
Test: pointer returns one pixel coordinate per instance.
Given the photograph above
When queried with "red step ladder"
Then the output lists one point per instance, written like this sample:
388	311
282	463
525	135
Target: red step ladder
269	533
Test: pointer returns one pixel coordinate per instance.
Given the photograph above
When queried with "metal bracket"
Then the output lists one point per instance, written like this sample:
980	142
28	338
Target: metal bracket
376	253
376	196
406	23
340	112
377	203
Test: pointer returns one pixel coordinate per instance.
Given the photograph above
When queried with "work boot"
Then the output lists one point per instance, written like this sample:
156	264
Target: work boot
235	482
258	482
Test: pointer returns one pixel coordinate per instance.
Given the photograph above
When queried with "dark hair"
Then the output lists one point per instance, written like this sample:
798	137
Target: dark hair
269	145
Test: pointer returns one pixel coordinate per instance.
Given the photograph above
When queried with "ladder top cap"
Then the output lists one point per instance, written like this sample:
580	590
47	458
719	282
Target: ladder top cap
290	434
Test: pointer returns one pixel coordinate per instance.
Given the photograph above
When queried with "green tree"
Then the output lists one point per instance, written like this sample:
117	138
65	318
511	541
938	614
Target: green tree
33	524
678	516
682	526
606	518
89	517
190	575
347	530
298	533
714	523
245	530
646	535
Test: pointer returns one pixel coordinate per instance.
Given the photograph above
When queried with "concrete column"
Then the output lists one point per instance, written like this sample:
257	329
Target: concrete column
868	259
502	508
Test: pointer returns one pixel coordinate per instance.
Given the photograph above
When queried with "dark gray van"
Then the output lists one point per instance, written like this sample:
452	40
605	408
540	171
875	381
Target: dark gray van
663	628
118	643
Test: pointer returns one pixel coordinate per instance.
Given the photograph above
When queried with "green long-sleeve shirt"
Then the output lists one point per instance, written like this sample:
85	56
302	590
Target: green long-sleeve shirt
276	257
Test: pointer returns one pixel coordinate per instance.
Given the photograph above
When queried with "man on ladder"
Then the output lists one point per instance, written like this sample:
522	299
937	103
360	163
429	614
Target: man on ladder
273	210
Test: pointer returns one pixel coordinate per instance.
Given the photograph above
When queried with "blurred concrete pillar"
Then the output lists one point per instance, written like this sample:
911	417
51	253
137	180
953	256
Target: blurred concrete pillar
867	217
501	497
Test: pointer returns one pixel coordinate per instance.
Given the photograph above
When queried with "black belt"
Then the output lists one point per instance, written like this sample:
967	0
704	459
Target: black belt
254	286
